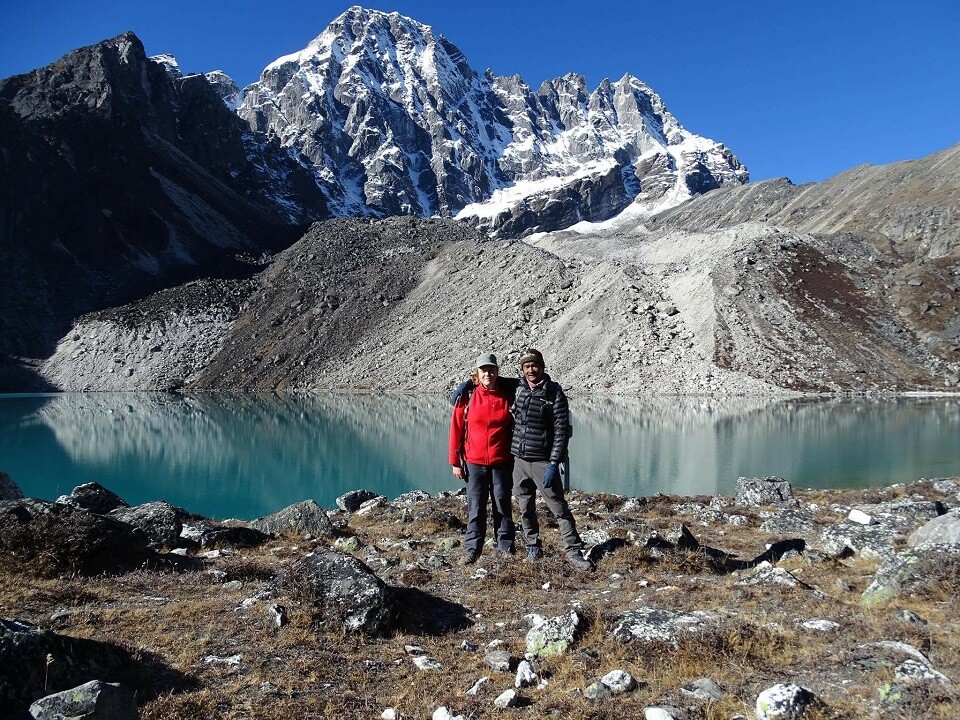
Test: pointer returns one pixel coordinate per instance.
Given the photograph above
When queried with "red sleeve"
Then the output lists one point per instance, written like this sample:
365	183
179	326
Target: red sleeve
457	423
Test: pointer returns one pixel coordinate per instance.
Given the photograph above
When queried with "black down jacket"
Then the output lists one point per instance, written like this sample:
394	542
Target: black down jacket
541	427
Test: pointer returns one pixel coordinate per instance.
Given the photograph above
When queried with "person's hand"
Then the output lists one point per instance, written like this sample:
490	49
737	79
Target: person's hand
458	472
550	475
459	390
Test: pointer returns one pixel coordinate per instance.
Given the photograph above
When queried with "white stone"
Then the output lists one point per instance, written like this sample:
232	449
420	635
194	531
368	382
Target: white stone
820	625
427	663
526	677
860	517
506	699
478	686
619	681
657	713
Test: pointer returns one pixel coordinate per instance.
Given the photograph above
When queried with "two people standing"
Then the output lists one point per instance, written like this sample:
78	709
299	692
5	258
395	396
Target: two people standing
540	418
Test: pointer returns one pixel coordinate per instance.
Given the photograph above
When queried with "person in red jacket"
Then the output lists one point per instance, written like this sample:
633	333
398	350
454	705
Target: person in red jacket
480	431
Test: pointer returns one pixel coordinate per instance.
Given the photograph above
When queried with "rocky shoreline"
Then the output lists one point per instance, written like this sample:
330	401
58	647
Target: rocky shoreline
773	603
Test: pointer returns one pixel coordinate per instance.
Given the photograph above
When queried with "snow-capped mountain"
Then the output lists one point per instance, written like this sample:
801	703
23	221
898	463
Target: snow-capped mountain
395	121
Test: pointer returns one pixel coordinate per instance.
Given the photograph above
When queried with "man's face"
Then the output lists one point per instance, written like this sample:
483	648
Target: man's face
532	372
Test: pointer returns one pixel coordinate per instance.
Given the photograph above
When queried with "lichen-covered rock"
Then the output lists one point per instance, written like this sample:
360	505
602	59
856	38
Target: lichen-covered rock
652	624
343	589
941	530
35	662
553	636
914	571
302	518
785	701
94	497
849	538
9	490
788	522
159	521
95	699
46	538
764	491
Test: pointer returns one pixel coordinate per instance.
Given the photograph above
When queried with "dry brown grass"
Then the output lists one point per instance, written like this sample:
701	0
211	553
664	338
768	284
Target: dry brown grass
170	621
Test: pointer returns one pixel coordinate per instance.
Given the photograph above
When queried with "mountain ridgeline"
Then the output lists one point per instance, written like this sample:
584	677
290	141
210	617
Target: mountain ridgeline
150	225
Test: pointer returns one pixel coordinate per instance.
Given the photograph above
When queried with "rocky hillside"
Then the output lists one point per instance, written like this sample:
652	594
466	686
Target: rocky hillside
850	285
118	177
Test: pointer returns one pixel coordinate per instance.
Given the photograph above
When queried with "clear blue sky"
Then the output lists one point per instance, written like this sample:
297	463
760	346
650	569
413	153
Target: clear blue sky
798	89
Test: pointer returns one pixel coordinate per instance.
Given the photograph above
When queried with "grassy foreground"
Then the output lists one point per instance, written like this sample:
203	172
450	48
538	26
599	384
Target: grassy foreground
175	622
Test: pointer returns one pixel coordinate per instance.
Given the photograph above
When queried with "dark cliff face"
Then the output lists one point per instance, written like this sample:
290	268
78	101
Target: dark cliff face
117	179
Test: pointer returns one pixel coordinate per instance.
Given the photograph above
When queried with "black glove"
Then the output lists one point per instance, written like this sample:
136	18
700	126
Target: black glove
550	475
459	391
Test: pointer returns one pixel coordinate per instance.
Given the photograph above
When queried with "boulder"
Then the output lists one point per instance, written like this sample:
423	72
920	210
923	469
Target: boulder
786	700
553	636
159	521
849	538
343	589
351	501
302	518
941	530
788	522
764	491
914	571
94	497
35	662
233	536
9	490
95	699
48	538
651	624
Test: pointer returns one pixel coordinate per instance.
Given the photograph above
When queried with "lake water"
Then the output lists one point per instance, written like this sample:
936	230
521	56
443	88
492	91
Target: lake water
226	455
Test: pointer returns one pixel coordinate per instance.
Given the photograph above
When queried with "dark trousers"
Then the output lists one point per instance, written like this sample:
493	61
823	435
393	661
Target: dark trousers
527	479
493	482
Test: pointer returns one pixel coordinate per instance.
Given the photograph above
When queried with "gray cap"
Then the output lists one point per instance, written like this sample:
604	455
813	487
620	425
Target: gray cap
487	359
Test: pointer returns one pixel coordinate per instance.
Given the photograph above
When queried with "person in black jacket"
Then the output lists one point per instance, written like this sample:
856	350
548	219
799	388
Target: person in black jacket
541	432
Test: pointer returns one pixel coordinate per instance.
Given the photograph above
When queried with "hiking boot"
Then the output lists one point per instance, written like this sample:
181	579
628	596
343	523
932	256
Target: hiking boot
534	553
504	554
579	561
470	558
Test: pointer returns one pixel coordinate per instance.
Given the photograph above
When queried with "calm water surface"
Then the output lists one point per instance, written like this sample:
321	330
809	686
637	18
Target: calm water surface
244	456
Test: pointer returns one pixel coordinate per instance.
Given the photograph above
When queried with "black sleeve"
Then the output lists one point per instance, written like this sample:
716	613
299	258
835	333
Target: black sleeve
561	426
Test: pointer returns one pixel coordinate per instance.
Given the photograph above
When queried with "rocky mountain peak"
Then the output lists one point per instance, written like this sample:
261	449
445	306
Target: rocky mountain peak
396	121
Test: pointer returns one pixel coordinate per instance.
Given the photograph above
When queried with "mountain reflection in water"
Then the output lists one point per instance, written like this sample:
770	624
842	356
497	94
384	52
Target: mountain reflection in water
232	455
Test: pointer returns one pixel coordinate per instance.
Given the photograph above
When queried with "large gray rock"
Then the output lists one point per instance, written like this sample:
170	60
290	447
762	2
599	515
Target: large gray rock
651	624
26	674
785	701
344	590
95	700
159	521
553	636
915	571
94	497
848	538
351	501
302	518
9	490
764	491
942	530
46	538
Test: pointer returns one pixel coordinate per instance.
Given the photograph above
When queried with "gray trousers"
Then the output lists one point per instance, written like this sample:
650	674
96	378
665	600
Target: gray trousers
489	482
527	479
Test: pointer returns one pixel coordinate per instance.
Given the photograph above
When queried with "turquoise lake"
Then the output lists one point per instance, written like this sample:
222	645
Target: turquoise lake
244	456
